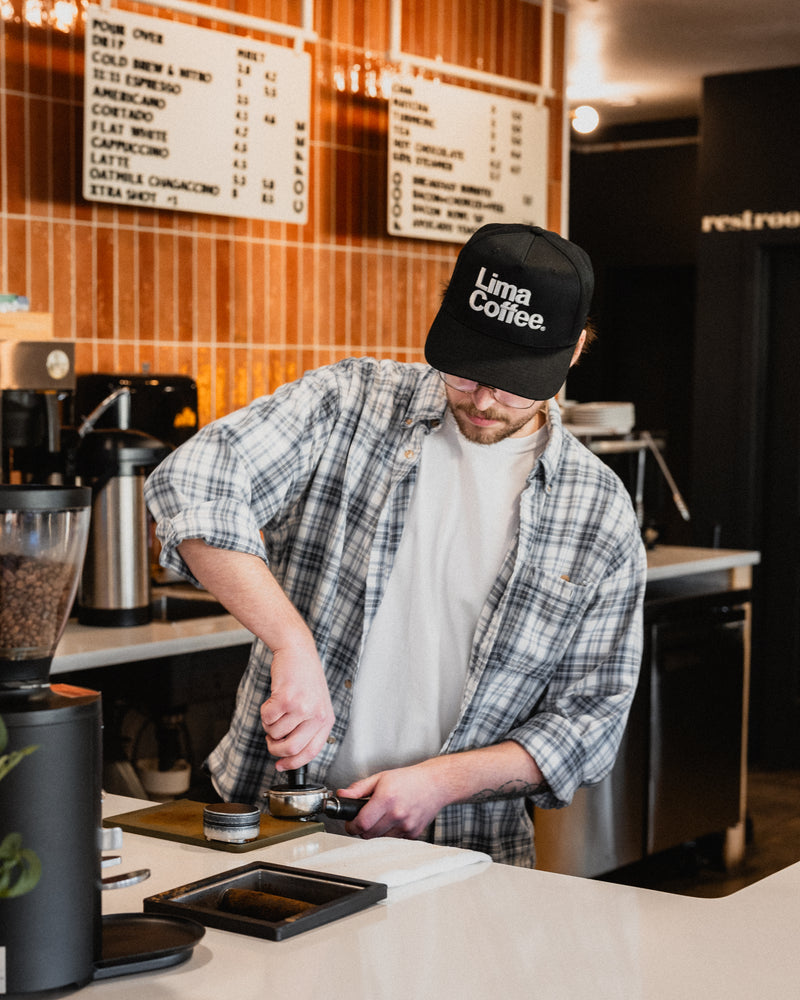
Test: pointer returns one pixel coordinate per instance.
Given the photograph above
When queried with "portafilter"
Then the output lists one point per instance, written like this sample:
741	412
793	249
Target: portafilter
294	799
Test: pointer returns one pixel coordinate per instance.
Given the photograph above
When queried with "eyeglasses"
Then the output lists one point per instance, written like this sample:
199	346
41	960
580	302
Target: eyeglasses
499	395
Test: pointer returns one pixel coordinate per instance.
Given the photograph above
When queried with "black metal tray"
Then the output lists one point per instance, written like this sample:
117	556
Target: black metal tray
330	897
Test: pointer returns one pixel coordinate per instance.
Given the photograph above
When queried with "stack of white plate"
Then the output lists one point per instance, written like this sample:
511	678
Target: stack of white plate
601	418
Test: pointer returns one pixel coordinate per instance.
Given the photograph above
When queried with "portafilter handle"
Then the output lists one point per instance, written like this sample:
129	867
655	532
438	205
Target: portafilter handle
341	808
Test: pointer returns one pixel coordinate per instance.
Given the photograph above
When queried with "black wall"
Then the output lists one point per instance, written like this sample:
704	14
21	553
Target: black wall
746	422
634	208
696	246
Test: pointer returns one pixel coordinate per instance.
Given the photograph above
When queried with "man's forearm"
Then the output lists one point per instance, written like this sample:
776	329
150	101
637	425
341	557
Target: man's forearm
298	716
247	588
502	771
404	801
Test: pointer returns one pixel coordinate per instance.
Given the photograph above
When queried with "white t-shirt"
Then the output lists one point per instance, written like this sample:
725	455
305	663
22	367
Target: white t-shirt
463	517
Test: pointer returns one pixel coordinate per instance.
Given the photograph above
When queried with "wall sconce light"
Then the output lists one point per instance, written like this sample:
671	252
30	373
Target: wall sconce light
34	14
585	119
62	15
373	79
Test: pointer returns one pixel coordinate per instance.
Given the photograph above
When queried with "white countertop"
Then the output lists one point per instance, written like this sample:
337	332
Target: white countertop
666	562
487	930
83	647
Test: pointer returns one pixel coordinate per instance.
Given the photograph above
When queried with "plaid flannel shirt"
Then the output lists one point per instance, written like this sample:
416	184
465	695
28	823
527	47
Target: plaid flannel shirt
316	479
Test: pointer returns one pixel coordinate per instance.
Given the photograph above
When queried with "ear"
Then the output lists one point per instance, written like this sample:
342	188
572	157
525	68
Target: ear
578	349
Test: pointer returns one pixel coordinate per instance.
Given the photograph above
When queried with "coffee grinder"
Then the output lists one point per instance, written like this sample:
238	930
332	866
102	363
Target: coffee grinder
50	800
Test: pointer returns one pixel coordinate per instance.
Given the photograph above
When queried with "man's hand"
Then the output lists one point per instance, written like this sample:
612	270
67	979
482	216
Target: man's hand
298	716
404	801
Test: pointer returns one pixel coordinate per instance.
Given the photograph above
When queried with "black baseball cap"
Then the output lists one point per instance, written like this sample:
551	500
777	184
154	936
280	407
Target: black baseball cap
513	311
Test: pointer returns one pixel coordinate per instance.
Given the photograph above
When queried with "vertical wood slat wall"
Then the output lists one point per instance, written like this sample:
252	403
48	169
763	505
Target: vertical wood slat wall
243	305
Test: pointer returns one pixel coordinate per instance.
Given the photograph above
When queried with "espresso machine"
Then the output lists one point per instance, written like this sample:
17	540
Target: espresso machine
37	382
162	406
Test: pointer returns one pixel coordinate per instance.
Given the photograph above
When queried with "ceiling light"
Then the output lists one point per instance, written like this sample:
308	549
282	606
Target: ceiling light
585	119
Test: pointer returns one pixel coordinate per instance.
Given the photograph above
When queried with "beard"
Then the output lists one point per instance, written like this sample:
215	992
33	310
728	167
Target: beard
505	426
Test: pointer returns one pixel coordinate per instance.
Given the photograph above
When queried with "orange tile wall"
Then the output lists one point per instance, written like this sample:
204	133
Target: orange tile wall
242	305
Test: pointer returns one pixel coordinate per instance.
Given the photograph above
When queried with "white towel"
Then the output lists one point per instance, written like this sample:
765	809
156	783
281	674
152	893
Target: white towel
391	860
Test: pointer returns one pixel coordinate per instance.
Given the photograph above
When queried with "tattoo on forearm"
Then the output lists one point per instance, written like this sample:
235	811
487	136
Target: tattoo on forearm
514	789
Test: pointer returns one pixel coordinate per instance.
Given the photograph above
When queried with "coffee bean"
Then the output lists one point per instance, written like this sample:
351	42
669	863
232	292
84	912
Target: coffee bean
33	599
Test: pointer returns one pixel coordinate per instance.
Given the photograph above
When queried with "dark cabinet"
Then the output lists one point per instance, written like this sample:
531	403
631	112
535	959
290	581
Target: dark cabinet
678	775
694	658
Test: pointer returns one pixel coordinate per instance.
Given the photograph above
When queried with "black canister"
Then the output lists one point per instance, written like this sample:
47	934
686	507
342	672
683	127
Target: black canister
51	935
115	586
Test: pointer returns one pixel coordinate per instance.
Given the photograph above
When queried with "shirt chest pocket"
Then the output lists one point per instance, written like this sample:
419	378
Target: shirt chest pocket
541	615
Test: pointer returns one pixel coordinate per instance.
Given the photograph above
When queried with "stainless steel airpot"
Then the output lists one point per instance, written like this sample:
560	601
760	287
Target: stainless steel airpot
294	799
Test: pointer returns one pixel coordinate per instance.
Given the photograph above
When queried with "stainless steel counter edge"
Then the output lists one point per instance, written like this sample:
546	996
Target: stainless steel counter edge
84	647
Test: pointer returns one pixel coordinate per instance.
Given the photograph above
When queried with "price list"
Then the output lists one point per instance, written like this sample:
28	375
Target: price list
181	117
460	158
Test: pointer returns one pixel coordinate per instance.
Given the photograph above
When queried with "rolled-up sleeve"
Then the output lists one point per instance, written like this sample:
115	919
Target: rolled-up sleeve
236	475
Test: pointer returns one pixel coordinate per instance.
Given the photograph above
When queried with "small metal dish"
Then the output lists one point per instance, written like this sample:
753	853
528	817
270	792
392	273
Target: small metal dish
231	822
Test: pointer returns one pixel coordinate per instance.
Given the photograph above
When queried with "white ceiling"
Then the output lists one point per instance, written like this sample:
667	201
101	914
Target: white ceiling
644	60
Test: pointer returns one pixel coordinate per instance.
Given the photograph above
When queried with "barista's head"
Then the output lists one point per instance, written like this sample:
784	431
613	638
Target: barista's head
514	310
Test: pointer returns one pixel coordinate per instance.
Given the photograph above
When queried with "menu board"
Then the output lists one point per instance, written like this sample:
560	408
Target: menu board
461	158
181	117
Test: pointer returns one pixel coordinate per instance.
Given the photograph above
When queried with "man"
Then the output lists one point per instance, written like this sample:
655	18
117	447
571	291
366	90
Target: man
444	585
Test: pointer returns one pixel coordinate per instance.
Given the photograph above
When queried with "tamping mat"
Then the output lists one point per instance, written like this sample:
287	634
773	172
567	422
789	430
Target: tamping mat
182	820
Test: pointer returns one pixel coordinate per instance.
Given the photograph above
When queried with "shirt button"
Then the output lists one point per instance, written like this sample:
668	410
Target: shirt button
348	684
409	453
409	421
331	739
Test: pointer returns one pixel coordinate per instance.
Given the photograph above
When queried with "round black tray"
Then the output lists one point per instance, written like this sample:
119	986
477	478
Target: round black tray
139	942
